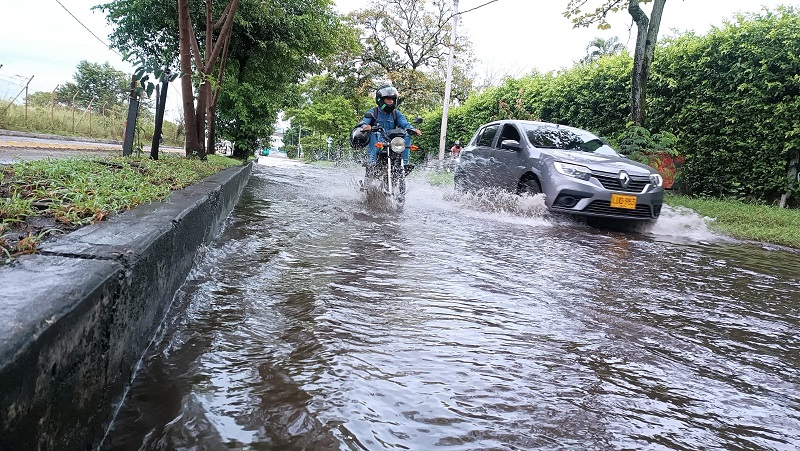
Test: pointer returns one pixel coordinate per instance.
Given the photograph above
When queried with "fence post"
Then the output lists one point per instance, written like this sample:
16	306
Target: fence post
130	124
73	110
52	107
26	104
160	106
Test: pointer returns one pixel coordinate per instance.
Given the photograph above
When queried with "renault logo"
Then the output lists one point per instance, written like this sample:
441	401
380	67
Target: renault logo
624	179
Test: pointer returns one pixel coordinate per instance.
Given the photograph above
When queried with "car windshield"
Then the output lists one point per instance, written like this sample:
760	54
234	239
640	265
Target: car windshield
552	137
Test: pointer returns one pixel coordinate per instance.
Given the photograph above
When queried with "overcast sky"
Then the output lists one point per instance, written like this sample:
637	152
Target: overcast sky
40	38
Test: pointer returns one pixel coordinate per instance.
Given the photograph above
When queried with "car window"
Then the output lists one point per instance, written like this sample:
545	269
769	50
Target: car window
487	135
551	137
509	132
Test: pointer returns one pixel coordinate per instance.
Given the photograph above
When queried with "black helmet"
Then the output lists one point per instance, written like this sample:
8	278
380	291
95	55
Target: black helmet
358	137
383	92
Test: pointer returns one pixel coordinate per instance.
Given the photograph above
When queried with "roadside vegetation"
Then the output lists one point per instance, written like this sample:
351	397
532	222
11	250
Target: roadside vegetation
39	199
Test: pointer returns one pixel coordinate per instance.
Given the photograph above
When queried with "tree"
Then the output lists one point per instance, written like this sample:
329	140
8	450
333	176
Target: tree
95	84
323	111
272	44
646	38
406	42
204	63
600	47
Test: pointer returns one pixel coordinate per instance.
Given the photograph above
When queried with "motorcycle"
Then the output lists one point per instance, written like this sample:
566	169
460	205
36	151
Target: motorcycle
387	178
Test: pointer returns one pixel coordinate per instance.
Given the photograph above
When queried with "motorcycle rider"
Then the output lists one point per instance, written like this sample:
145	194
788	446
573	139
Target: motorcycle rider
387	116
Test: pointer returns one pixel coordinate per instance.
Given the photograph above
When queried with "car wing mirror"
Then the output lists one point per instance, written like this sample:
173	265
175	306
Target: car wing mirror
511	144
369	115
418	120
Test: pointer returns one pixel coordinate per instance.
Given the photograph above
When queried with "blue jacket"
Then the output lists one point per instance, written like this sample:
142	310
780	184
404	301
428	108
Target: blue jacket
386	120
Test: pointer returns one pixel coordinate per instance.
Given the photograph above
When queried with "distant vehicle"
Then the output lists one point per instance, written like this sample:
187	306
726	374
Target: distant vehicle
578	172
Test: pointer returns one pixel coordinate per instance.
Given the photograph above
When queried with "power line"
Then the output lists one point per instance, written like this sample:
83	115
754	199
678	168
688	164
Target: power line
472	9
90	31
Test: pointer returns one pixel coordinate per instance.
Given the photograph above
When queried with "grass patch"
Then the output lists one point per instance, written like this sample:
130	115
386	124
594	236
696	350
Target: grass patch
746	221
440	178
40	198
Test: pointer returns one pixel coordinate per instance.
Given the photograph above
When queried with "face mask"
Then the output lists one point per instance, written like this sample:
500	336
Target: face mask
387	108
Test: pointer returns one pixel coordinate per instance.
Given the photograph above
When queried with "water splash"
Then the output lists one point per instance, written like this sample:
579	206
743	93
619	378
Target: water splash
682	225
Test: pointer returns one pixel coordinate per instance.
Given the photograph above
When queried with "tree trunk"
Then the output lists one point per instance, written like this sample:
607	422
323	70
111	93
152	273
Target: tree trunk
212	129
646	39
189	117
195	118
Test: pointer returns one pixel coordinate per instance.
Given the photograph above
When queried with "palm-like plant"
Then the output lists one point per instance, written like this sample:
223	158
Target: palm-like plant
600	47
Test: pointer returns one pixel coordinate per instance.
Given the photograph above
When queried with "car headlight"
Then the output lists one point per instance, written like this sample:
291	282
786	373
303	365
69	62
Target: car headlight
398	144
573	170
656	180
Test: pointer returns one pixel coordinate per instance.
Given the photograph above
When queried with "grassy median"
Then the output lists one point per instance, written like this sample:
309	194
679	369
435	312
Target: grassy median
43	198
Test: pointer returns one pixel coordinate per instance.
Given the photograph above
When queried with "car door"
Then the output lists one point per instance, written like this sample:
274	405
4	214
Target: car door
475	157
507	165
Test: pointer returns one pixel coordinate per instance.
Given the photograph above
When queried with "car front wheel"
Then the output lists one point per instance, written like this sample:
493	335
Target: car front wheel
530	187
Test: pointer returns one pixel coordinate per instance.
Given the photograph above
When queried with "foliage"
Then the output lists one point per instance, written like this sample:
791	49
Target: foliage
99	85
600	47
733	97
406	43
641	145
646	40
592	96
727	102
274	44
106	124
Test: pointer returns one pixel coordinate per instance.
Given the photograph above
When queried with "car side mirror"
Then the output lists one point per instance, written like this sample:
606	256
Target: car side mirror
369	115
511	144
418	120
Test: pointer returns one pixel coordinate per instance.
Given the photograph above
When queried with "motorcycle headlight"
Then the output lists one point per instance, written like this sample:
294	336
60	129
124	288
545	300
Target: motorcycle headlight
573	170
398	144
656	180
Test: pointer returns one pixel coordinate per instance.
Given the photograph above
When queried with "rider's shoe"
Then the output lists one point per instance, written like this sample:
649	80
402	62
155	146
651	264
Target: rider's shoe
408	168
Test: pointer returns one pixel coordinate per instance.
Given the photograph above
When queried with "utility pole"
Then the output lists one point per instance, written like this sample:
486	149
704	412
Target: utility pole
448	83
26	99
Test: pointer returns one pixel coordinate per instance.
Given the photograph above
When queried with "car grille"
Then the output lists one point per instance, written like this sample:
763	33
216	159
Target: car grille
611	182
603	207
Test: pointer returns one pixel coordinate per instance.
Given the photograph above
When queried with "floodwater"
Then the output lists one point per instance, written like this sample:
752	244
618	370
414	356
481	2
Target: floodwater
319	322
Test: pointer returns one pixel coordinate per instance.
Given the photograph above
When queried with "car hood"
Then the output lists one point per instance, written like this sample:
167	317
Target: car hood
602	163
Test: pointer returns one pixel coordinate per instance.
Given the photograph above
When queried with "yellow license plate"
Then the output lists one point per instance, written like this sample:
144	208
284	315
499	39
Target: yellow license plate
623	201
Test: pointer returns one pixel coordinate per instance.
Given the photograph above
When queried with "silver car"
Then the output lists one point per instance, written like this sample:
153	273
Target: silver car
578	172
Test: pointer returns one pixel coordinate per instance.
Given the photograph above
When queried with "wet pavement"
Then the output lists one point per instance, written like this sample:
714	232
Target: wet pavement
318	321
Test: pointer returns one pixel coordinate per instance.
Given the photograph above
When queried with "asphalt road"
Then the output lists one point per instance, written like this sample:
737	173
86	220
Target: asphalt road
21	146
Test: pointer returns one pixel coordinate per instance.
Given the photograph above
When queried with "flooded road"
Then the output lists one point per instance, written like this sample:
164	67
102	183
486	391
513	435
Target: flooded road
318	322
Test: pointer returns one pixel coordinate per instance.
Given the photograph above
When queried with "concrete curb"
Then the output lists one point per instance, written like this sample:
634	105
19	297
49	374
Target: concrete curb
78	317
